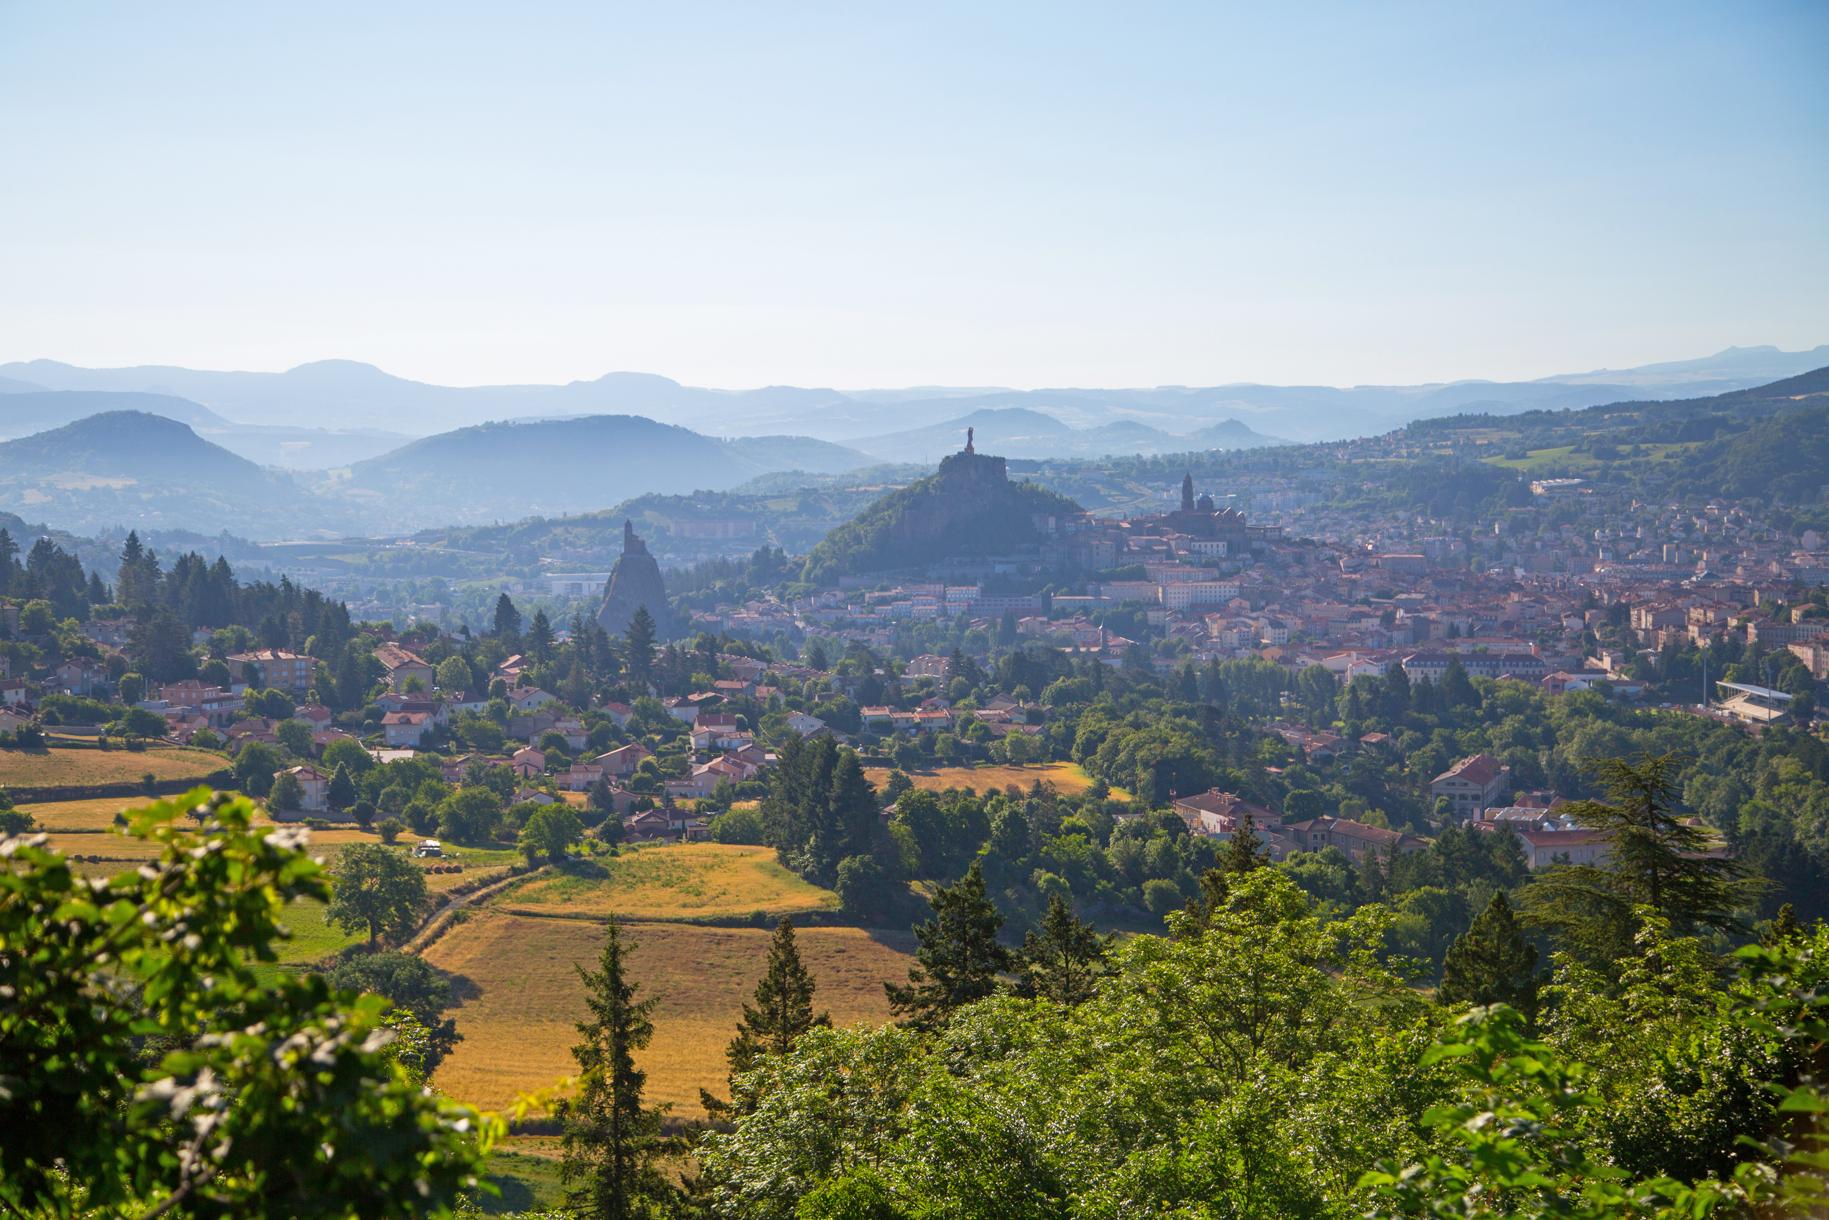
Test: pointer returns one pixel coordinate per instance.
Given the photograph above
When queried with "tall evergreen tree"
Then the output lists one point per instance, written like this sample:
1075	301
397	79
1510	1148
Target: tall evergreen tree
1491	962
341	791
1064	958
540	637
638	645
507	619
959	956
1655	859
611	1139
1245	851
782	1012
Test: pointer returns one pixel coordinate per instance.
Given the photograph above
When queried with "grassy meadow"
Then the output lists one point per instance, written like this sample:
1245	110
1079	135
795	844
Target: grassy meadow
674	881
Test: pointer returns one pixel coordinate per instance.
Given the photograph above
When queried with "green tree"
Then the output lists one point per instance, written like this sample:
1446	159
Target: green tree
960	959
254	767
409	982
861	887
286	794
377	891
1491	962
783	1008
340	793
540	637
136	723
350	755
1656	860
295	736
551	831
611	1139
1064	958
638	646
469	815
12	821
261	1093
453	674
507	620
1245	851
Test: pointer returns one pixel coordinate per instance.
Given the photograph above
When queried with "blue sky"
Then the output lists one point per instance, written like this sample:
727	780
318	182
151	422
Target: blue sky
872	194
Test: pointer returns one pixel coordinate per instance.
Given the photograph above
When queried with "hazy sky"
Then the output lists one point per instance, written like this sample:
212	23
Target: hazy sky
865	194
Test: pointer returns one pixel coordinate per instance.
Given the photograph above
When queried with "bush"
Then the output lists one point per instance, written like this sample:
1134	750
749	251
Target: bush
390	829
739	826
861	886
1161	896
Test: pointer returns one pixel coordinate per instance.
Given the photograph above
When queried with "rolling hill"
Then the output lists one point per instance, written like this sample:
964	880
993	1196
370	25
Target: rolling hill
504	471
130	467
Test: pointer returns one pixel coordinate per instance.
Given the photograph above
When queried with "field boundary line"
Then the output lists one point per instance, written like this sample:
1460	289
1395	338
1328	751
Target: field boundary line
446	914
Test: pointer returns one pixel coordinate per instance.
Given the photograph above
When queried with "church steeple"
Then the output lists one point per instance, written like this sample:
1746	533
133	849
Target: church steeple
1187	492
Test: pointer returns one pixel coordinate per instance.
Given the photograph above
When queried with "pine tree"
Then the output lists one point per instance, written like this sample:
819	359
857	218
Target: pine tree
1655	859
507	619
540	637
638	645
1245	852
341	791
1491	962
959	956
1782	927
782	1013
1063	959
611	1139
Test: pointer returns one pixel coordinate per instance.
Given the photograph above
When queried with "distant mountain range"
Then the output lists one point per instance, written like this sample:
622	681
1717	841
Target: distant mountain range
94	459
1019	432
351	397
133	468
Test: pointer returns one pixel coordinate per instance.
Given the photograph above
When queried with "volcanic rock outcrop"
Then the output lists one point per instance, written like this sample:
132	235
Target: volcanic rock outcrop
635	581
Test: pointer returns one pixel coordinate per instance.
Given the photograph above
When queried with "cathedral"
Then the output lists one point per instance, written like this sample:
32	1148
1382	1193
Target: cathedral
1197	518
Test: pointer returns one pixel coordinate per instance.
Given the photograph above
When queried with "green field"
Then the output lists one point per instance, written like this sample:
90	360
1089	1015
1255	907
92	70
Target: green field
1564	457
313	936
525	1182
678	881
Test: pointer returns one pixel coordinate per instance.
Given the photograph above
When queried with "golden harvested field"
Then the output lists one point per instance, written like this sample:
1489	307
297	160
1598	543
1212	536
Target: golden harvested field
69	768
91	813
1069	779
677	881
115	849
518	1025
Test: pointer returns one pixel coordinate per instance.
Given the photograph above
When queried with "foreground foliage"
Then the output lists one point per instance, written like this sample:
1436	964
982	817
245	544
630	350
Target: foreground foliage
1266	1062
146	1067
